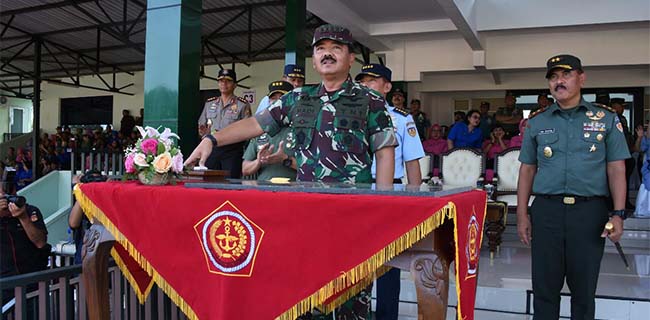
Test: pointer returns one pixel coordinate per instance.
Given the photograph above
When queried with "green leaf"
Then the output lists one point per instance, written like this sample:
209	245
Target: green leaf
161	148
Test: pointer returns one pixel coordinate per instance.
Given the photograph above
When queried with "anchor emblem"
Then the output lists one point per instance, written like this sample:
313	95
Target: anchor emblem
226	240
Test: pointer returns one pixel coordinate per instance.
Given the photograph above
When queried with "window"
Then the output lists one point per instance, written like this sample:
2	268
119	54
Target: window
96	110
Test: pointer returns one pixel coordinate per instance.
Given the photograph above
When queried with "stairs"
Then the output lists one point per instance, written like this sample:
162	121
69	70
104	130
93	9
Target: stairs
505	289
635	239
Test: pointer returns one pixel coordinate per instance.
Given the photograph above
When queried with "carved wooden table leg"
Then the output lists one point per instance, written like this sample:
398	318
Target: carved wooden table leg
430	271
494	224
95	252
431	275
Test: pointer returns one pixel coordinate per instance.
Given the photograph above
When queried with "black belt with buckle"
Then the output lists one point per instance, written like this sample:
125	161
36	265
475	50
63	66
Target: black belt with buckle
568	198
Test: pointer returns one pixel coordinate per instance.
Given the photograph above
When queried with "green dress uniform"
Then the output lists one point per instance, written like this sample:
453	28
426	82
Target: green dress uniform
571	149
277	170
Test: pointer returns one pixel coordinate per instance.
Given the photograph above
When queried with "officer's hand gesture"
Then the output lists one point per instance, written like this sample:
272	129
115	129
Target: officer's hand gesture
615	233
200	153
263	152
275	157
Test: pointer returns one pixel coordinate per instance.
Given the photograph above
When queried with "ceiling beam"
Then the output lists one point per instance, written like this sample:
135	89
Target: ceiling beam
74	29
48	6
464	21
244	6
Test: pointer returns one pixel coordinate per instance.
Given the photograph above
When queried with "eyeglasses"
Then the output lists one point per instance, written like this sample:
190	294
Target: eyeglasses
475	117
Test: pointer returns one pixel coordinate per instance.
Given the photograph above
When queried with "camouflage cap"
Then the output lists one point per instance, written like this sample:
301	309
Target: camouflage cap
332	32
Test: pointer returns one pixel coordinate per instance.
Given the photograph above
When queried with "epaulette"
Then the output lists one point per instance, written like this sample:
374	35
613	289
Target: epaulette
538	111
610	109
401	111
211	99
242	100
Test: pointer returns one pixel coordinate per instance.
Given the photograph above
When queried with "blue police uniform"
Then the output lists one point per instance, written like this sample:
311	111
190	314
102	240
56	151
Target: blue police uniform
462	138
410	147
290	71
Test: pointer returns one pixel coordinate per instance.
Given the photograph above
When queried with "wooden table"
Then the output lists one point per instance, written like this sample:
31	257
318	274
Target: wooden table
428	261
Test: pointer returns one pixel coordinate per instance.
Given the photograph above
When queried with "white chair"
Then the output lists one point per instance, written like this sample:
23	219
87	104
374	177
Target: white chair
462	167
506	176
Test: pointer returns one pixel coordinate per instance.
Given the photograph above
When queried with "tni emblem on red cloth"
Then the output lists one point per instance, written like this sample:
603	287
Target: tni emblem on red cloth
472	246
229	240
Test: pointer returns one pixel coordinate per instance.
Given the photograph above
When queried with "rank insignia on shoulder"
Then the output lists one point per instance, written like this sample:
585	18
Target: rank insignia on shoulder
34	218
603	106
242	99
534	114
401	111
211	99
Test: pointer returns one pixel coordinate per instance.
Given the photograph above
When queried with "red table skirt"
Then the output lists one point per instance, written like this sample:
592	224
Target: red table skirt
250	254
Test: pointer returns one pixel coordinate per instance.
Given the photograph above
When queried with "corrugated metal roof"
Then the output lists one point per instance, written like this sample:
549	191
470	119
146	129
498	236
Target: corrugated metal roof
75	27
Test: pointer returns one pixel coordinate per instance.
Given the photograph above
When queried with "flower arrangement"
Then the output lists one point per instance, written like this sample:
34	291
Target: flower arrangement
154	157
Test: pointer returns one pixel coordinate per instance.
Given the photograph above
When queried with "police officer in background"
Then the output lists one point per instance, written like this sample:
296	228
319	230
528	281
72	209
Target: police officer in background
337	127
293	74
219	112
409	151
573	155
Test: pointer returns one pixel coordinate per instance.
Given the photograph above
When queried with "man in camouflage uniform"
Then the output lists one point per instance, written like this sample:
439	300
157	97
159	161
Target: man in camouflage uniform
219	112
337	127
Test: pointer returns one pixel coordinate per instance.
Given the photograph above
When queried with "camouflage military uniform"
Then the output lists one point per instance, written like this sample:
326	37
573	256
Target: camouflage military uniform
335	136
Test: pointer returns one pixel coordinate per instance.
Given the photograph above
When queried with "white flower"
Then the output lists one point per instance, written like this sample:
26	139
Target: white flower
140	159
166	134
148	132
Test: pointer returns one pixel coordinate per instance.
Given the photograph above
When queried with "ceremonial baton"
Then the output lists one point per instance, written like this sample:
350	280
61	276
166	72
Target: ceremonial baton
609	227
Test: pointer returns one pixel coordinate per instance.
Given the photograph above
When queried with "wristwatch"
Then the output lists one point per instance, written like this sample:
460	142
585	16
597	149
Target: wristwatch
287	162
211	138
620	213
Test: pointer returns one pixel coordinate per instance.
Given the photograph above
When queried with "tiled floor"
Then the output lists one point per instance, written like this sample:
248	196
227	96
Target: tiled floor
503	283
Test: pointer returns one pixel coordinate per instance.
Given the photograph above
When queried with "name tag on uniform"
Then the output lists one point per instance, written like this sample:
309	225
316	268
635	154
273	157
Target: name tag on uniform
546	131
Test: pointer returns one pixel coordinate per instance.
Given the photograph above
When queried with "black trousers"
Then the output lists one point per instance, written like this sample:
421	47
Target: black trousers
388	287
227	158
566	244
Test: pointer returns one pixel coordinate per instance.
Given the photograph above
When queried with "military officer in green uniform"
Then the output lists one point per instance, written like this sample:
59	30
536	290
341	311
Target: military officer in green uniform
337	127
572	157
272	157
219	112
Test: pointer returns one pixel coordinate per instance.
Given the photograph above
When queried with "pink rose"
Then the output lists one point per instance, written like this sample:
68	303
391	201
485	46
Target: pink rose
177	163
149	146
129	166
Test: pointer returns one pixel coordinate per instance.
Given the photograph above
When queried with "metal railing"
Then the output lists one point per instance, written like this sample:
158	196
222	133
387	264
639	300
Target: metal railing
108	163
59	294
